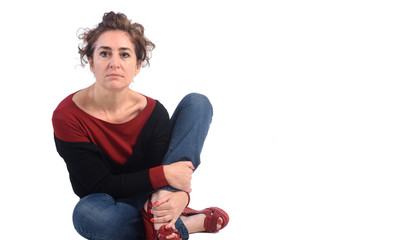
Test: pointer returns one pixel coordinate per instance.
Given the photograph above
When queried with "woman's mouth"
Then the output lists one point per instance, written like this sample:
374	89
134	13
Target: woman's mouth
114	75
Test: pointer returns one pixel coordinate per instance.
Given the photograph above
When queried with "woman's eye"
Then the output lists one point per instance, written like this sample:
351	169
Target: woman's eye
104	54
125	55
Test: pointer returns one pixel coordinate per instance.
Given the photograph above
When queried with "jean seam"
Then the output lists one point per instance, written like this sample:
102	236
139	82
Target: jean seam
171	147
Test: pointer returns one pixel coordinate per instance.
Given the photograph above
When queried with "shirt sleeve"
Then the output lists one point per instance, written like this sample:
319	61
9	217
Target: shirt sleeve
157	177
158	145
67	128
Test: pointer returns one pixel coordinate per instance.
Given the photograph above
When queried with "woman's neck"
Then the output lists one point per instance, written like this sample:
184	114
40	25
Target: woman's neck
108	100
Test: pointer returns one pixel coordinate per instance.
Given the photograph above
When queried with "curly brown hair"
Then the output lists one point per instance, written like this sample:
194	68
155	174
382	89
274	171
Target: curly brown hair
116	21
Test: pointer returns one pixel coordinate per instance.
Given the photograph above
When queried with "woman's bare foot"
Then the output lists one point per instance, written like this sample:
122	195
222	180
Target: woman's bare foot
195	223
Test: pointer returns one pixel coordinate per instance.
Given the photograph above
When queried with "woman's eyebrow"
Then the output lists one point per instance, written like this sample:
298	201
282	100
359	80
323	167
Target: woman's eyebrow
125	49
104	47
120	49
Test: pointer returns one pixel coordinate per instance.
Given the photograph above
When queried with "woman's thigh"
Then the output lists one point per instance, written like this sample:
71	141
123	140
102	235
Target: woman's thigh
101	217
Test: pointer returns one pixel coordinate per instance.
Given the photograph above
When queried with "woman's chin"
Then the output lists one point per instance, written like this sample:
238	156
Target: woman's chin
116	85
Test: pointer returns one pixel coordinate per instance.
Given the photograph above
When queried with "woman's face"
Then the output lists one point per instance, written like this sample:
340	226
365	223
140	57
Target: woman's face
114	62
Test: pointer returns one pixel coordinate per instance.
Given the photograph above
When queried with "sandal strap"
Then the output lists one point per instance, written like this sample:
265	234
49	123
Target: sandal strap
211	221
162	233
149	228
150	233
189	211
149	209
212	216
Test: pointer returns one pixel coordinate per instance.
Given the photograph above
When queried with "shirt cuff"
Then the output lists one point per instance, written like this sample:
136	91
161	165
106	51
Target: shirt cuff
157	177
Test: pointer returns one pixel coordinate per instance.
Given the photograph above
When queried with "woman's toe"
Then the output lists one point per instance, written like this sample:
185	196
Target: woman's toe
219	223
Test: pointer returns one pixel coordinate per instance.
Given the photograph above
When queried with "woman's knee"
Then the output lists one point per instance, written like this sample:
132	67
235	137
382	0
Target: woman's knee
199	102
90	211
98	216
91	205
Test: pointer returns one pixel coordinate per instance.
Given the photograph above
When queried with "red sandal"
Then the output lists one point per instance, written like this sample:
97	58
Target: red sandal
151	233
213	215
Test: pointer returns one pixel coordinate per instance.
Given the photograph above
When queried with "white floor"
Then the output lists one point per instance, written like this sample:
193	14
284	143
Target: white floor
307	140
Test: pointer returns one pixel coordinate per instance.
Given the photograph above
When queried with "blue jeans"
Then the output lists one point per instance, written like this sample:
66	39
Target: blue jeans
101	217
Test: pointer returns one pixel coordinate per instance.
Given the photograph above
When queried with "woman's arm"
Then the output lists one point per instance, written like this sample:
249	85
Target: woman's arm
90	173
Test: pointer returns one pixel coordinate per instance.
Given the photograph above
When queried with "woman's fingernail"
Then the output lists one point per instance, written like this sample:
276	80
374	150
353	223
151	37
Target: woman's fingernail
155	203
172	235
152	220
220	221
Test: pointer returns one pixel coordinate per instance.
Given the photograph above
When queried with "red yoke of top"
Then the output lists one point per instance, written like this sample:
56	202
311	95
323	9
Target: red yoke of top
117	140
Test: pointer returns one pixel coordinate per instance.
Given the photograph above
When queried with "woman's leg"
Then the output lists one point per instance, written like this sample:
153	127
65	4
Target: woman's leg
100	217
189	127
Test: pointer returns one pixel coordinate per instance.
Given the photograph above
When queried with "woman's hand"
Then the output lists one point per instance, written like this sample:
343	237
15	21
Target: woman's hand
168	209
178	175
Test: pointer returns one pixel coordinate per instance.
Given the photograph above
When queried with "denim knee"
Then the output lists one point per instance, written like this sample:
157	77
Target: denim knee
99	216
199	102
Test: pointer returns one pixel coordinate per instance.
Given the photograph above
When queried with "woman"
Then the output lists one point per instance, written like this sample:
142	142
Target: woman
128	162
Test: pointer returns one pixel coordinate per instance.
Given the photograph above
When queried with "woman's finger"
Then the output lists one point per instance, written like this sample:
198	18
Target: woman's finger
161	201
172	224
163	219
163	206
160	213
189	165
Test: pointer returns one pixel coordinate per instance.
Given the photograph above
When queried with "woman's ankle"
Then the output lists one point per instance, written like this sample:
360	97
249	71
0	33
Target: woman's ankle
194	223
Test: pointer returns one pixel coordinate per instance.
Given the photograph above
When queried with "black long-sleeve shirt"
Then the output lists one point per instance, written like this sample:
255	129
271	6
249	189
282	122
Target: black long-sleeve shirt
119	159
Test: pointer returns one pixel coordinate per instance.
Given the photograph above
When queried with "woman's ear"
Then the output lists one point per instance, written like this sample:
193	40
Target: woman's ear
138	67
91	64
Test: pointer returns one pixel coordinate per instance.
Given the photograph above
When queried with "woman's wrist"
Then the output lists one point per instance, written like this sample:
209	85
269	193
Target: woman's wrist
178	175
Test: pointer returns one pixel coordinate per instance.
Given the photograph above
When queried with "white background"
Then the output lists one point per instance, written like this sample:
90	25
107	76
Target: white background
308	135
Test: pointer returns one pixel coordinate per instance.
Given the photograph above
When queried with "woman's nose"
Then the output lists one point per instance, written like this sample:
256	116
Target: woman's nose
114	62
